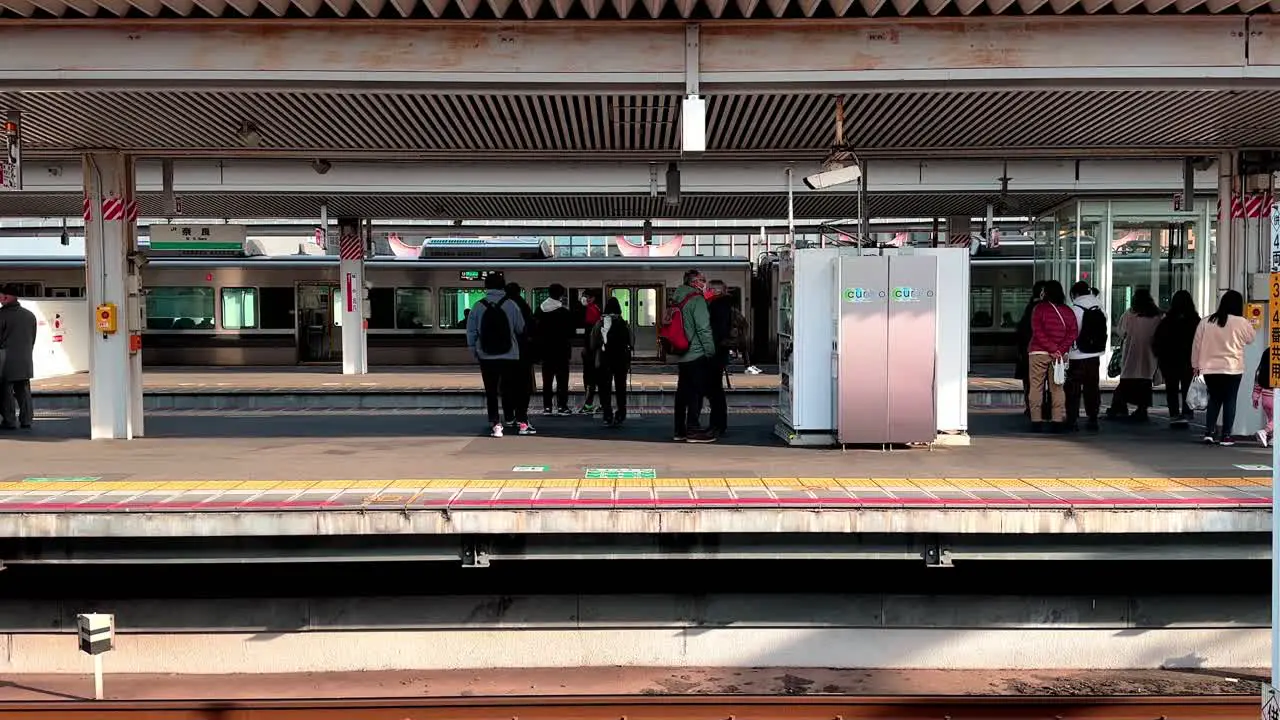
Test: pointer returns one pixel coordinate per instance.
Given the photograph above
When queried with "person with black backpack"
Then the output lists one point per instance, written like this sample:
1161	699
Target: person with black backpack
493	330
1083	369
611	344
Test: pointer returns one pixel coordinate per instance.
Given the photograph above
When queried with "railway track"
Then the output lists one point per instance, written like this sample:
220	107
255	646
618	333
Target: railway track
1234	707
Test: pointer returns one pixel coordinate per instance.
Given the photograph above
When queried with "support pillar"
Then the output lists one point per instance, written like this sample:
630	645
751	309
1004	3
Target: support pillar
112	280
1226	235
353	297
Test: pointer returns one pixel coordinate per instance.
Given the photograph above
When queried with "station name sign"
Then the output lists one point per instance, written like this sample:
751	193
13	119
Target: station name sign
473	275
198	237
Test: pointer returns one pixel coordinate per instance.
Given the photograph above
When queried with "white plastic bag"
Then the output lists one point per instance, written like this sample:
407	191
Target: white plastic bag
1059	372
1198	394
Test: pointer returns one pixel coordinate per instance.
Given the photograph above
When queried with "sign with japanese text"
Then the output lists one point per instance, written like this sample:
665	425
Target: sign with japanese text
1275	329
198	237
11	153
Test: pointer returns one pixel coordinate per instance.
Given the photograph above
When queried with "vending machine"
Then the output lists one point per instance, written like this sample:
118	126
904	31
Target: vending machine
806	346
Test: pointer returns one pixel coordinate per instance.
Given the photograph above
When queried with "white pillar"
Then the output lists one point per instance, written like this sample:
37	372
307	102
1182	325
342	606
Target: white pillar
111	278
1226	233
353	297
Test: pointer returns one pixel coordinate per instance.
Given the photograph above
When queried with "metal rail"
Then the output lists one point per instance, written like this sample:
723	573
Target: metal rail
1236	707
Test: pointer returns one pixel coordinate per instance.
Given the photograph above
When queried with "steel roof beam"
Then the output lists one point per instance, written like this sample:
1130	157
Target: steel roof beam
945	54
283	177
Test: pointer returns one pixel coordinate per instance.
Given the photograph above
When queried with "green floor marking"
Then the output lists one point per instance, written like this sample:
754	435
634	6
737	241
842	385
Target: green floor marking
621	474
530	468
61	479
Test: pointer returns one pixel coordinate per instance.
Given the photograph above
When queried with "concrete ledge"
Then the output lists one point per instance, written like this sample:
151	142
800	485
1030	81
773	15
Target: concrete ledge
570	612
1021	520
871	648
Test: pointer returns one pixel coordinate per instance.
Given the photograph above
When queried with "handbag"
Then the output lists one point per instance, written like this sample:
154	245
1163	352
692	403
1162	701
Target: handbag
1115	365
1059	372
1198	394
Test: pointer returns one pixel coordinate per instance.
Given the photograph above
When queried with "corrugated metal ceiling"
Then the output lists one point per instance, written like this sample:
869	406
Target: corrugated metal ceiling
609	9
548	207
754	126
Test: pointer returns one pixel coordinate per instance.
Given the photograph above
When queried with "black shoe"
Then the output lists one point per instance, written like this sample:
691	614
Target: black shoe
702	437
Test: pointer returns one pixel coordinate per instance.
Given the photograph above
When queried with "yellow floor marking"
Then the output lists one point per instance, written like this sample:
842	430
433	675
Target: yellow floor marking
743	482
634	483
1157	483
558	483
780	482
484	484
1006	483
597	483
967	483
933	483
349	485
1086	483
521	484
822	483
893	483
133	486
1119	483
681	483
407	484
192	485
446	483
709	483
1227	482
856	483
1046	482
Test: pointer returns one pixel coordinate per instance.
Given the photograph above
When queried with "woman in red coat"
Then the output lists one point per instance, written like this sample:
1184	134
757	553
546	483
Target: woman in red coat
1053	332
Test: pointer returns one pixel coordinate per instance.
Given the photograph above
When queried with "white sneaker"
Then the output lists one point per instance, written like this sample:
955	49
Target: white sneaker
1262	438
527	429
497	431
1208	440
753	370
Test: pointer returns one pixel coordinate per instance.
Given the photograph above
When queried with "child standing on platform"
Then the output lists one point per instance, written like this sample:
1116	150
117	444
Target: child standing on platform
1264	397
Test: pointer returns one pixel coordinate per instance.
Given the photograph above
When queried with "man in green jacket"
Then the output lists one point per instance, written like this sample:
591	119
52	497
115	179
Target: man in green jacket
695	365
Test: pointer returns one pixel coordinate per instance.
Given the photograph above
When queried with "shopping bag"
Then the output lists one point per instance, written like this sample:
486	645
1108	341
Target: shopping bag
1059	372
1198	394
1115	365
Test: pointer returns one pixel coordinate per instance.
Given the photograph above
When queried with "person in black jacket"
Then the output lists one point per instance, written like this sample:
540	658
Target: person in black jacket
720	306
524	366
1172	345
610	344
555	330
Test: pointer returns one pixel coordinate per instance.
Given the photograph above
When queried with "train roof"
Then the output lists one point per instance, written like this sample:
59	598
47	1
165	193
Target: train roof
299	261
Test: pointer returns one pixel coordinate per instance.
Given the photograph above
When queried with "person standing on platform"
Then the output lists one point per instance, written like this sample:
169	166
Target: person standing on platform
590	316
1053	332
686	336
1022	338
1138	363
493	329
1264	398
17	360
1175	335
611	343
720	309
554	336
1083	372
525	383
1218	353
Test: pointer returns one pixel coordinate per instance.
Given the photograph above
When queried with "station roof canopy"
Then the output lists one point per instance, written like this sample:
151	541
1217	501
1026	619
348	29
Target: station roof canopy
607	9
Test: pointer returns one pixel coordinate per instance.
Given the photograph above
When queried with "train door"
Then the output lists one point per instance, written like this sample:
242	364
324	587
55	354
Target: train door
641	307
319	325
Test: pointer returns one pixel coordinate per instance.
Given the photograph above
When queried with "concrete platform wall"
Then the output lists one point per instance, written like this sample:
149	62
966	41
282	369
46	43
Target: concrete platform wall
222	653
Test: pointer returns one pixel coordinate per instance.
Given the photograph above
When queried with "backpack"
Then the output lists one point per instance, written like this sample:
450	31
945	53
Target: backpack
1093	331
671	334
495	329
615	349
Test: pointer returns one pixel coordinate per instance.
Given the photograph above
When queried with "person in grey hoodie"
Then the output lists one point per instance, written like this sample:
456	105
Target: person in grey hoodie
1083	369
496	346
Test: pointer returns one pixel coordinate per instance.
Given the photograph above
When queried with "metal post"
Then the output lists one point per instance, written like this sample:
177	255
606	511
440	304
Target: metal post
1273	326
1226	223
864	212
97	677
791	209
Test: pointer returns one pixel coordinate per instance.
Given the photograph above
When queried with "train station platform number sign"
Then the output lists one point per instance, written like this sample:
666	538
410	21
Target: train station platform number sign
1274	310
11	153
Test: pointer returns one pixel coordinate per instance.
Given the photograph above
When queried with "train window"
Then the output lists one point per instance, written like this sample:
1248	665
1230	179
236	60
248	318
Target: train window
982	304
31	290
275	308
180	308
455	305
1013	301
539	295
239	308
64	292
413	308
382	310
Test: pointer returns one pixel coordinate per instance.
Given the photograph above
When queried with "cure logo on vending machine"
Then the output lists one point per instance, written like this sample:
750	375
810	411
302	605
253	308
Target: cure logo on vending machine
861	295
910	294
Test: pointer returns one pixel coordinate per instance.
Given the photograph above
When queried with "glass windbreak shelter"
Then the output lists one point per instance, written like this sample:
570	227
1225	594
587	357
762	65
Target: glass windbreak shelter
1120	246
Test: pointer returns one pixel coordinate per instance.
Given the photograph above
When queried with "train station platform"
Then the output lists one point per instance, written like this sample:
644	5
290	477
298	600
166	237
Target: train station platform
248	388
377	473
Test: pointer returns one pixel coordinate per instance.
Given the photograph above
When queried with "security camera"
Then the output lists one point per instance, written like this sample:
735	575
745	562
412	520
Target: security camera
321	166
832	176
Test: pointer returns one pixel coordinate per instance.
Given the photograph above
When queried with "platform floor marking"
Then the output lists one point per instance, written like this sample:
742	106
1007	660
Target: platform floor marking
1150	483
